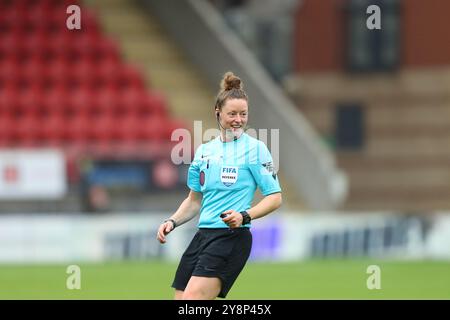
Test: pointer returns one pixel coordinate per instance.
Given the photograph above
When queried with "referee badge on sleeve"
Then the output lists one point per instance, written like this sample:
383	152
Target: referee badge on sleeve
268	169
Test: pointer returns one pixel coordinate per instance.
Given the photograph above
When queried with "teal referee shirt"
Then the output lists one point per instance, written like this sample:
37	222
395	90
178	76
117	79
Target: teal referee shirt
227	174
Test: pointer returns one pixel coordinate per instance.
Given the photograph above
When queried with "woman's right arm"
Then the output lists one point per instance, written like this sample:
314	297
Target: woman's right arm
188	209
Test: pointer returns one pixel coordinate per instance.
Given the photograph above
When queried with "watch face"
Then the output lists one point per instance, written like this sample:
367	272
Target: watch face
246	217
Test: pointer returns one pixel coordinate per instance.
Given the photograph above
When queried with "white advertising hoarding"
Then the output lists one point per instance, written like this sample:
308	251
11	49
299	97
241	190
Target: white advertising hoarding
32	174
51	238
54	238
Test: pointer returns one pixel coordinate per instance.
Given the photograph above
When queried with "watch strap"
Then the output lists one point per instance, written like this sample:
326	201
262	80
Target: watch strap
246	217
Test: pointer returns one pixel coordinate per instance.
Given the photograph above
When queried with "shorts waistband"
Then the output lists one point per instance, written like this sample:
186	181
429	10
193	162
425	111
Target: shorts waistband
206	230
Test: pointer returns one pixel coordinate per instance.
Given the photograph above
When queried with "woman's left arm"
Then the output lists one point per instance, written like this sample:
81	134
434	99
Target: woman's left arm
268	204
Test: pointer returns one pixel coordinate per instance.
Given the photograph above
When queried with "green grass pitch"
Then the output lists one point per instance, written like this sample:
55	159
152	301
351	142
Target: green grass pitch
315	279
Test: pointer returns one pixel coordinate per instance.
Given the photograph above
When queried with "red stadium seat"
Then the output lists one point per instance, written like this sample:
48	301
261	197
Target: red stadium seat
57	19
59	3
33	73
155	104
53	129
9	100
39	14
36	44
130	76
131	99
153	129
24	4
107	71
16	13
128	128
27	23
81	101
107	101
77	130
82	73
6	26
58	71
89	22
6	4
83	46
106	49
174	124
58	101
31	102
9	73
7	125
11	45
104	129
27	131
60	44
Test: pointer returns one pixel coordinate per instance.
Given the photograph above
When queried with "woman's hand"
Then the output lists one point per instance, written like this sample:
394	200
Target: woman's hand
233	218
188	209
164	229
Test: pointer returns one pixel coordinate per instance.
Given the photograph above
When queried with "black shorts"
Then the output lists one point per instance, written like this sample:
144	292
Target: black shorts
220	253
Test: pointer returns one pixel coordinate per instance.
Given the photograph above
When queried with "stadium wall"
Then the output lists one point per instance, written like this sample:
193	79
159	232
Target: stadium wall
423	33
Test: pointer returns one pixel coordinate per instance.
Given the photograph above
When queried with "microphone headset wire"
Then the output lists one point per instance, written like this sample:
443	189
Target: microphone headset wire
228	130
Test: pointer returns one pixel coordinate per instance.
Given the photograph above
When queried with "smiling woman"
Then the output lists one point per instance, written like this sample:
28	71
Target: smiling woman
223	178
231	108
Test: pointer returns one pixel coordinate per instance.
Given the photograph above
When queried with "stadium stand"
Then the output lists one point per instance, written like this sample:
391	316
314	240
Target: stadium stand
74	90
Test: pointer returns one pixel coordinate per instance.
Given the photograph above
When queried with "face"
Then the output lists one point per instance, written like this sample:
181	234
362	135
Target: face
234	115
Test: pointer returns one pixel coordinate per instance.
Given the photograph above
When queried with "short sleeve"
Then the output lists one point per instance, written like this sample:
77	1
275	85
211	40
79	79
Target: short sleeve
263	171
193	177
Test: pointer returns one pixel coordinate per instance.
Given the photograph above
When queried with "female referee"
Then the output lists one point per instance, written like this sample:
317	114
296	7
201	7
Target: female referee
222	179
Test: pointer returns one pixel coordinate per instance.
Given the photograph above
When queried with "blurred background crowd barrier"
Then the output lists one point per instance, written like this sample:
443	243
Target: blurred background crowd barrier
47	239
87	117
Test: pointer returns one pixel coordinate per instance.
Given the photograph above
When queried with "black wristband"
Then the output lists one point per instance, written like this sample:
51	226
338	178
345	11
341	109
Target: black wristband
173	222
246	217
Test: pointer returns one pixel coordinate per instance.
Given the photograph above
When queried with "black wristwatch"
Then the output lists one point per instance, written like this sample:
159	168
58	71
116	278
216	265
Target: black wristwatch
173	222
246	217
